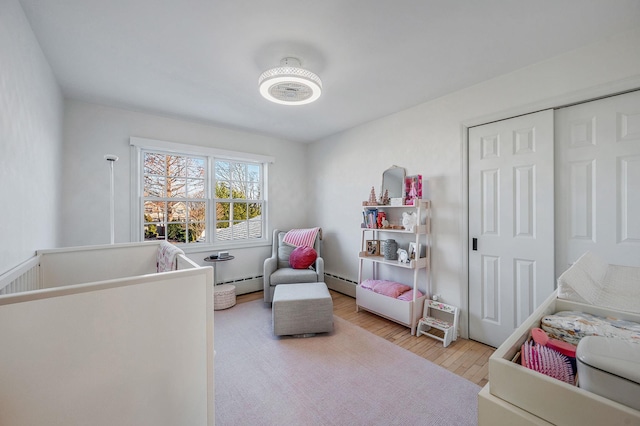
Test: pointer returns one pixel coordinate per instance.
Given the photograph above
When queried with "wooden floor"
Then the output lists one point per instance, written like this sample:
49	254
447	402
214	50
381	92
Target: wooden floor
465	358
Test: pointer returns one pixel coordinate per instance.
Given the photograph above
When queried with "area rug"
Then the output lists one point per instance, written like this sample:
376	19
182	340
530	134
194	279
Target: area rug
347	377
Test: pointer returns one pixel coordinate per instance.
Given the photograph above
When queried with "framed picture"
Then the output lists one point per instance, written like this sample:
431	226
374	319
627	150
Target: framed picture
414	250
373	248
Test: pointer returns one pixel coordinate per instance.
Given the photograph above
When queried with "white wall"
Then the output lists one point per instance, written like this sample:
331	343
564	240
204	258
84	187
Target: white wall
91	131
429	140
30	142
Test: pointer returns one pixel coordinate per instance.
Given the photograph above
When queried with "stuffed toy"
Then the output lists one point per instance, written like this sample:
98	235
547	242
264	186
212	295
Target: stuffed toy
403	256
409	221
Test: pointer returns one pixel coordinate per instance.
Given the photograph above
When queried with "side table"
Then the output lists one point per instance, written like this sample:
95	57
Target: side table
217	260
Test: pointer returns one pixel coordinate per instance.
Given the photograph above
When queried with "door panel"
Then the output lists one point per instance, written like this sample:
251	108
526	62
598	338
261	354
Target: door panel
598	181
511	214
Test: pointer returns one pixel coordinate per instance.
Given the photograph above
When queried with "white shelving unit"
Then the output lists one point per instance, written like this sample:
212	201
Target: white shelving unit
406	313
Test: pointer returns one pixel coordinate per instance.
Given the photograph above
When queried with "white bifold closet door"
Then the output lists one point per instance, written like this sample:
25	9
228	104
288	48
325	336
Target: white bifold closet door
511	223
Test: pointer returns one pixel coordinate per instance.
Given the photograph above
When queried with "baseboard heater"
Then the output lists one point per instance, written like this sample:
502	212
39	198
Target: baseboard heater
247	284
340	284
256	283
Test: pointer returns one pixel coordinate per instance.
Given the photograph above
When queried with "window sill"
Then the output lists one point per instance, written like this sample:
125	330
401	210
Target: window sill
208	248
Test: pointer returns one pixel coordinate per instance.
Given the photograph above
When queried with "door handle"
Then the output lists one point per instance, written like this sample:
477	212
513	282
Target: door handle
475	244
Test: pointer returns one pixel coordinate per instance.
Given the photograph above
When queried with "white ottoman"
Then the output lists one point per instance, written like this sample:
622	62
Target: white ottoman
302	309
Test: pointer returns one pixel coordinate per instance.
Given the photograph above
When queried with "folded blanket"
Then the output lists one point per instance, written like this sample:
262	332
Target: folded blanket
572	326
166	258
302	237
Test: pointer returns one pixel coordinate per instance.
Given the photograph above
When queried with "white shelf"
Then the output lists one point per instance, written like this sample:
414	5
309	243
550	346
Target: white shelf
396	310
425	204
413	264
419	229
400	231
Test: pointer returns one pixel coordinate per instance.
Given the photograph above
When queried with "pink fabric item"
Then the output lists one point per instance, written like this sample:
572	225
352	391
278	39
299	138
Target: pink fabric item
386	288
301	237
302	257
391	289
368	284
408	295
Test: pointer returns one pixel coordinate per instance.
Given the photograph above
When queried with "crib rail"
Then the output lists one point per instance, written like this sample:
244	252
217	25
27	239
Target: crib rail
183	262
77	265
24	277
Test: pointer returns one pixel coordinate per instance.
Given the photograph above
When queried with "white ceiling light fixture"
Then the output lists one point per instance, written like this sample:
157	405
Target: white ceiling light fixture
289	84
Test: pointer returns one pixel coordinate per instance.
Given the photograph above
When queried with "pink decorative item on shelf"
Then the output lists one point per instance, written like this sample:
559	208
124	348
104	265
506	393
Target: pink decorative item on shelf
372	198
412	189
385	198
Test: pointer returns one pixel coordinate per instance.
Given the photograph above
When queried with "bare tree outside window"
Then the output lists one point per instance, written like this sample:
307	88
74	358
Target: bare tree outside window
174	193
176	200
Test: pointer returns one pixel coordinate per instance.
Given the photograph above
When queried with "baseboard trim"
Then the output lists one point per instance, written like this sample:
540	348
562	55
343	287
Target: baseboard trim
246	285
340	284
334	282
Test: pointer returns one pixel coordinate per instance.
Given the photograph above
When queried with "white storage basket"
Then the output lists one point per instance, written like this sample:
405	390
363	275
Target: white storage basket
224	296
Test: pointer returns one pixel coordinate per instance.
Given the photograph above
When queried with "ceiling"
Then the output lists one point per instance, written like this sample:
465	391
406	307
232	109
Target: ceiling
200	59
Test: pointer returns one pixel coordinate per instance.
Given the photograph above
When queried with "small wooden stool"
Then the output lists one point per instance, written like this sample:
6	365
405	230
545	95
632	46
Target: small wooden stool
224	296
450	329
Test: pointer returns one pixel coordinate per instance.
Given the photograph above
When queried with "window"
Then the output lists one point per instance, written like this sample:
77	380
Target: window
238	201
199	196
174	201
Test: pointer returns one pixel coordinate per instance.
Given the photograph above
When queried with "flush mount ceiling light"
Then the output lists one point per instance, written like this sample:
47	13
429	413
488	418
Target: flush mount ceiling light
289	84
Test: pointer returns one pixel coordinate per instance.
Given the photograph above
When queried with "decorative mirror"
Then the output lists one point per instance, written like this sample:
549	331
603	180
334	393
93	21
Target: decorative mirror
393	182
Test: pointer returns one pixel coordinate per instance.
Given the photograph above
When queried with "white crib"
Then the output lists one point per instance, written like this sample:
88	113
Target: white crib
94	335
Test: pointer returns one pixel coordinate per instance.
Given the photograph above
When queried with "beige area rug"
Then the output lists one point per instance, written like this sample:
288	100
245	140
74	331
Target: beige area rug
347	377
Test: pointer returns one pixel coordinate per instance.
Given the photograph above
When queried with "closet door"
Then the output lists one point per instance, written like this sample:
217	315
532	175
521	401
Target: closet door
511	220
598	181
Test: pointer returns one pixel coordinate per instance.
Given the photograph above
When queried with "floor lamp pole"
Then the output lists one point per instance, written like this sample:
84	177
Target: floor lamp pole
112	159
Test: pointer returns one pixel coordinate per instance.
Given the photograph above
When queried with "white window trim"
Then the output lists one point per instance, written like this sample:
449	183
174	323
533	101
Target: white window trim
139	144
155	144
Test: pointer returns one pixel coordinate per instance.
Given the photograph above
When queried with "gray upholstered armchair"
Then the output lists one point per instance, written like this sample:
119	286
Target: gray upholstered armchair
277	270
